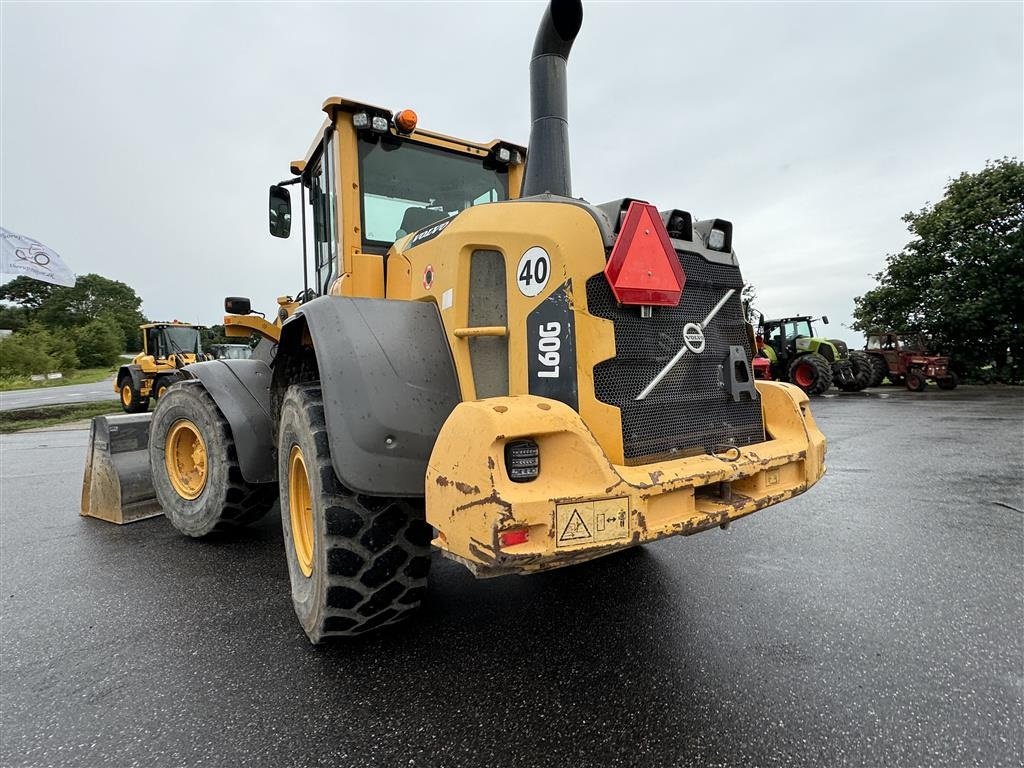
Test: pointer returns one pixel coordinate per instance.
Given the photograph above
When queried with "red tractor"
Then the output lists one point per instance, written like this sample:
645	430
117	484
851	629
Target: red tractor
902	357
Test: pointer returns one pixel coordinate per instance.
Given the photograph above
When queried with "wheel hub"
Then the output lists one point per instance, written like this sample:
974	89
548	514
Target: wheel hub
300	510
186	459
803	375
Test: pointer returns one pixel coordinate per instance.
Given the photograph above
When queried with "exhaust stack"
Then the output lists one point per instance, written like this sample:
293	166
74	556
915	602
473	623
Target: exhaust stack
547	159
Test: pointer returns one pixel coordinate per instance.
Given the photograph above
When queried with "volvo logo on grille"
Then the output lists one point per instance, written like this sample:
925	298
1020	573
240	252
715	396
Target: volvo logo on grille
693	341
693	337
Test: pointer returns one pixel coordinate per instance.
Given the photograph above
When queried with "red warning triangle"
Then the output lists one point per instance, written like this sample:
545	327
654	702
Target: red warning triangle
644	267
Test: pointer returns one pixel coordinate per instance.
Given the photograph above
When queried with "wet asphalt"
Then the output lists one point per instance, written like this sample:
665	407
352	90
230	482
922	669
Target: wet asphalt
71	393
878	620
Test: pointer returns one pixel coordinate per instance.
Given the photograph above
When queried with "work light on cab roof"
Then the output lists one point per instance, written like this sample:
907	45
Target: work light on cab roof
644	269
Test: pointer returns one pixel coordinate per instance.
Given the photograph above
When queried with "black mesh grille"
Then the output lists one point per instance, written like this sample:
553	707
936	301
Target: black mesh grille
690	411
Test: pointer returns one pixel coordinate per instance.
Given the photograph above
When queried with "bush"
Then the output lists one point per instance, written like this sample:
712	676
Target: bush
99	343
21	356
35	350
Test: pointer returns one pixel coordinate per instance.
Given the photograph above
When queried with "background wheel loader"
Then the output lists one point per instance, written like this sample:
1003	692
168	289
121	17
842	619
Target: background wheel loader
166	349
491	367
812	363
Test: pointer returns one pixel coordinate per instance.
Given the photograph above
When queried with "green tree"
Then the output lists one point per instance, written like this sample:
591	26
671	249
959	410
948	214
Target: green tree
91	297
26	292
748	296
14	318
214	334
961	278
37	350
99	342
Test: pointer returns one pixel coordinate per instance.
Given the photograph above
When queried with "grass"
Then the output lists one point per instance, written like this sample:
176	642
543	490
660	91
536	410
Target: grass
50	415
84	376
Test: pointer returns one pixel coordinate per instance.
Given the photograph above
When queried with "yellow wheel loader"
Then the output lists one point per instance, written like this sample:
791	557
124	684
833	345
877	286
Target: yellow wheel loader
483	364
166	349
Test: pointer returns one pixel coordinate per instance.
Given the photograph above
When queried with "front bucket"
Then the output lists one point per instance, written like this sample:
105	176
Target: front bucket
118	486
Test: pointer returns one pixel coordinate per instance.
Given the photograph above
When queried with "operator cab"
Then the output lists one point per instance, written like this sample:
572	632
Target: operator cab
162	340
373	177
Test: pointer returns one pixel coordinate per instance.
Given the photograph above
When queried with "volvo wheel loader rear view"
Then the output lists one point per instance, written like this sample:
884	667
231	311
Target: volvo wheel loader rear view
493	367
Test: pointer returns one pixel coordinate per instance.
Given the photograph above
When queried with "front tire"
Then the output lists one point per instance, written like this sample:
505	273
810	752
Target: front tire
812	373
355	562
916	381
863	369
131	400
194	464
948	382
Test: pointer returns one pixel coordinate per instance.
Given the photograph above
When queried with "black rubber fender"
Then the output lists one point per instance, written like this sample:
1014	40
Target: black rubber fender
241	390
388	382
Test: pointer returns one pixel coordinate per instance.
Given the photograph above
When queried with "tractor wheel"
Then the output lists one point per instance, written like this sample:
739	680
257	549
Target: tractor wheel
948	382
812	373
195	468
131	400
863	369
916	382
879	370
355	562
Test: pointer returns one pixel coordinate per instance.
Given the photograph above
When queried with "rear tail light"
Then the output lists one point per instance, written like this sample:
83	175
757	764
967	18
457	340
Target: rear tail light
522	461
514	536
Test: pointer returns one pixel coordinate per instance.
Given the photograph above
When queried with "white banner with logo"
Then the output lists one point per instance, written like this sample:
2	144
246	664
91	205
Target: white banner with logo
20	255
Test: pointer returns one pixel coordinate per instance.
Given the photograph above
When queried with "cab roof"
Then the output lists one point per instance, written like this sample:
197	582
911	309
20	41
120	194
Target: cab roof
335	104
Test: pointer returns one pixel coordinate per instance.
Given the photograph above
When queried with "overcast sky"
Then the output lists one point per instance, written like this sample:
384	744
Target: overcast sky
138	140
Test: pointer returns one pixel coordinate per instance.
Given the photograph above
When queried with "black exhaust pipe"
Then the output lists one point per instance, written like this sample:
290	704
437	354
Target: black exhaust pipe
547	159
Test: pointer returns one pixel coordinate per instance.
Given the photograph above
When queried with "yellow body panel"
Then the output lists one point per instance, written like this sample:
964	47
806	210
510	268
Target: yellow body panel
573	242
584	505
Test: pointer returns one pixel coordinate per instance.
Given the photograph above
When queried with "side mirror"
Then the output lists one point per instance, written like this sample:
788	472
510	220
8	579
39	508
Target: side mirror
237	305
280	211
824	319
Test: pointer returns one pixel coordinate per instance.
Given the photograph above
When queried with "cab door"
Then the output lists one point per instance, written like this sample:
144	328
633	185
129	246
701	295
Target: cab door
323	198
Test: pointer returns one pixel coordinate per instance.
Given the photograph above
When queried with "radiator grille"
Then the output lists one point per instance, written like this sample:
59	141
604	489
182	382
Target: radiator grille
690	411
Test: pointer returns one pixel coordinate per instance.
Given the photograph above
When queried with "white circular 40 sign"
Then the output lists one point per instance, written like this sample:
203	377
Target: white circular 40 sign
533	271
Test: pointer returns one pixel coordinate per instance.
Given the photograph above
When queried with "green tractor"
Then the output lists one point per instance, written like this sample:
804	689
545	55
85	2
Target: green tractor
811	362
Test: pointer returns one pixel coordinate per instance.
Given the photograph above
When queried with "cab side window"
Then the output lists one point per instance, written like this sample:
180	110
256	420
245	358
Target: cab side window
323	199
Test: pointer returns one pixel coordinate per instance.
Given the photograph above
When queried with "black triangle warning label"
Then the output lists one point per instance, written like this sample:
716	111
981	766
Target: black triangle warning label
575	529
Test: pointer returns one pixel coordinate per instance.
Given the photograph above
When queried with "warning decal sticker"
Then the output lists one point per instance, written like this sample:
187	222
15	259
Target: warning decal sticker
575	529
587	522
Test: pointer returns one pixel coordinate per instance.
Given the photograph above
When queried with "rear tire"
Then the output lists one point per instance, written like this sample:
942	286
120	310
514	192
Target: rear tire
916	381
863	371
160	387
195	469
948	382
879	370
812	373
355	562
131	400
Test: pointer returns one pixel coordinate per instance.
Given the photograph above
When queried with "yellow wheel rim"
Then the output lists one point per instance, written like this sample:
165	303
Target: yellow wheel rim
185	458
160	392
300	509
126	395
